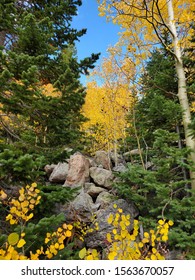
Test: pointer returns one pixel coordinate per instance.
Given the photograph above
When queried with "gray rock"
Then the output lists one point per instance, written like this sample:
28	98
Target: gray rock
102	158
116	158
59	173
97	239
93	190
49	168
81	208
119	168
102	177
104	199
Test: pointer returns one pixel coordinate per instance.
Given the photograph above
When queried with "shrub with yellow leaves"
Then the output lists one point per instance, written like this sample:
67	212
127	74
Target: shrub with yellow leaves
90	254
128	246
125	245
20	208
82	228
20	212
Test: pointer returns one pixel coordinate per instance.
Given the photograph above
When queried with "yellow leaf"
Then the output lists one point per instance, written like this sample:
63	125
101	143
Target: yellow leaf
82	253
56	245
32	201
170	223
153	257
21	198
13	238
21	243
68	233
112	255
61	246
3	195
161	222
34	185
146	234
89	258
30	216
94	253
70	227
108	237
110	219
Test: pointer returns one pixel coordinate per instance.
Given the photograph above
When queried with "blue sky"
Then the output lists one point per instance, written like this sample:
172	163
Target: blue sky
100	33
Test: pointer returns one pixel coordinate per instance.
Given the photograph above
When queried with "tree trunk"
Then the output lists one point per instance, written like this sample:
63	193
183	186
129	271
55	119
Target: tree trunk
182	90
2	38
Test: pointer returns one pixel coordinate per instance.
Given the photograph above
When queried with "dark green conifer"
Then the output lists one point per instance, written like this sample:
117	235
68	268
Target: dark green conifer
38	48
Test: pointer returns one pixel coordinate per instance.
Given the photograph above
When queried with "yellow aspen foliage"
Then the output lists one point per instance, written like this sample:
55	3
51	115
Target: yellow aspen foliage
126	244
140	19
90	254
49	90
55	241
20	208
108	101
81	229
14	247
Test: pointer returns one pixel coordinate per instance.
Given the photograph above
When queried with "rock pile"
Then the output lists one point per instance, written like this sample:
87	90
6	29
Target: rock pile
95	176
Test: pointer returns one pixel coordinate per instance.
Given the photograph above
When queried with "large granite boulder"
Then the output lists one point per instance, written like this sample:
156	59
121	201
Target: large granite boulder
102	177
81	208
78	172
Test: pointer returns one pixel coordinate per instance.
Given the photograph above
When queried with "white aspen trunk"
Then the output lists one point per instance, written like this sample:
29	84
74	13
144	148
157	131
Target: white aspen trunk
182	90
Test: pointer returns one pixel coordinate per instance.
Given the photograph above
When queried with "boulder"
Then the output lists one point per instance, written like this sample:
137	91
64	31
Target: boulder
49	168
97	239
102	177
59	173
116	158
93	190
81	208
78	171
102	158
120	168
104	199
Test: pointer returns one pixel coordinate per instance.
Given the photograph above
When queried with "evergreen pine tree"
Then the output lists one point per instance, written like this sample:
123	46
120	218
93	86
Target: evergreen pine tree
38	48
